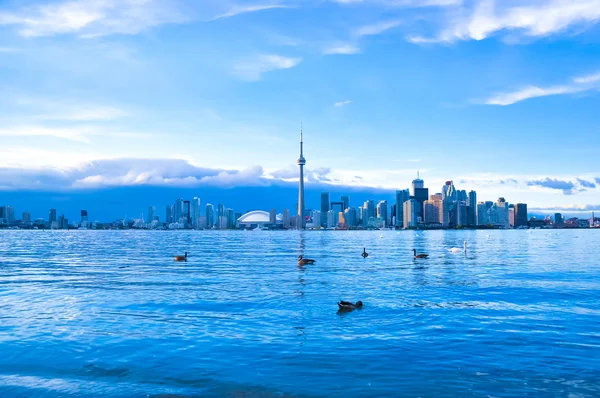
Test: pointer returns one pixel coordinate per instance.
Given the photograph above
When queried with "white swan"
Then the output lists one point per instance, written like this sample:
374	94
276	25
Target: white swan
458	250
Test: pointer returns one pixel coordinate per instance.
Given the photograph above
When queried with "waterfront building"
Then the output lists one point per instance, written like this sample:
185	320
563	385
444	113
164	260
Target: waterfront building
286	218
301	163
178	210
51	216
325	203
559	219
433	211
196	212
472	210
231	220
26	218
461	213
2	214
210	215
346	201
169	214
401	197
417	184
502	212
448	191
151	213
461	195
520	215
411	213
273	217
331	219
482	214
511	216
351	217
10	215
382	212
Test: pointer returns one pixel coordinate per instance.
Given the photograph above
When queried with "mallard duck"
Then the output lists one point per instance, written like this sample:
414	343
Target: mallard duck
422	255
364	253
181	258
304	261
348	306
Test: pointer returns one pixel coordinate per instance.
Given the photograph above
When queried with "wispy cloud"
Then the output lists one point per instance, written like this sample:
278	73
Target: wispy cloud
377	28
342	48
342	104
53	109
93	17
85	114
530	18
79	134
577	85
8	50
248	9
253	69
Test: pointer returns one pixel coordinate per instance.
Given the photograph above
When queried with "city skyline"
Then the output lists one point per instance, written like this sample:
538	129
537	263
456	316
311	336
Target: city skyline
209	94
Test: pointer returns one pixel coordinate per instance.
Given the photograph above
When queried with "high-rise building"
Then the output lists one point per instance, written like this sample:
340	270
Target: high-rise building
502	210
273	217
169	214
84	217
350	217
65	223
210	215
461	195
51	216
26	218
301	163
559	219
331	219
151	213
483	217
511	216
2	214
325	202
286	219
421	195
178	210
433	210
370	207
416	184
520	215
10	214
230	215
60	222
401	197
462	216
187	212
472	210
382	212
411	213
448	191
345	199
196	212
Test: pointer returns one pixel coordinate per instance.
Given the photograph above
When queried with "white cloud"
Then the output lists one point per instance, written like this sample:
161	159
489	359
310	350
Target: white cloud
252	69
248	9
79	134
84	114
8	50
533	18
377	28
342	104
88	18
578	85
342	48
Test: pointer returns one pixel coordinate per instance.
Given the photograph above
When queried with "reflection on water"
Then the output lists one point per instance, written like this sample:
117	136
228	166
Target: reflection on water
109	313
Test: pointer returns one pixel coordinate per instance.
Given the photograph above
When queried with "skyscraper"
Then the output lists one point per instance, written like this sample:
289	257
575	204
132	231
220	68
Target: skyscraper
417	183
325	200
401	197
346	201
26	218
210	215
286	218
83	216
410	213
382	212
10	214
273	217
51	216
178	210
520	215
2	213
301	162
195	212
169	214
448	191
472	210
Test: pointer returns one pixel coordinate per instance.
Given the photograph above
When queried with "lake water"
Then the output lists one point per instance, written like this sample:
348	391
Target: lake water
98	313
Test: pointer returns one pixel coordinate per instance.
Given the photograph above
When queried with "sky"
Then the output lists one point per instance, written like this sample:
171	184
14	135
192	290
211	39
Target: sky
501	97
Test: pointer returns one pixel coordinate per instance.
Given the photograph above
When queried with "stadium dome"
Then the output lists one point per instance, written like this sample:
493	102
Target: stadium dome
257	217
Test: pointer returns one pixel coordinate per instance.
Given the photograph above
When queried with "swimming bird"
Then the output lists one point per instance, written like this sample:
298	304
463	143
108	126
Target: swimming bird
304	261
348	306
458	250
419	255
181	258
364	253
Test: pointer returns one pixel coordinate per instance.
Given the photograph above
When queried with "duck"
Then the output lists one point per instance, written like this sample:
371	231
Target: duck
419	255
348	306
459	250
364	253
304	261
181	258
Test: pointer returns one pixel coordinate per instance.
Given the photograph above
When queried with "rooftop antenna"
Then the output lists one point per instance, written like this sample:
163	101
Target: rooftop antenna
418	175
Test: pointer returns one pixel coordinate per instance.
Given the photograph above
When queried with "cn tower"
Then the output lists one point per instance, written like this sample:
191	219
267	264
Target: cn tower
301	162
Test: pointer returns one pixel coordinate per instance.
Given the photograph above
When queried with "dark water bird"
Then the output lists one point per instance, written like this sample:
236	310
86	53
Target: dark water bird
304	261
181	258
364	253
422	255
348	306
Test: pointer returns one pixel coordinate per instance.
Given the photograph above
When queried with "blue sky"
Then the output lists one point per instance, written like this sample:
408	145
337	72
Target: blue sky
499	96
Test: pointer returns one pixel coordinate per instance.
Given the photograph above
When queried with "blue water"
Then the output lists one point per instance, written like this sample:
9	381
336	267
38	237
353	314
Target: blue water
96	313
